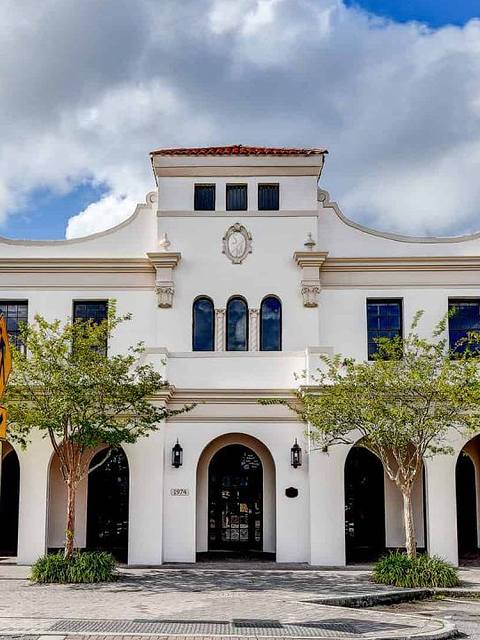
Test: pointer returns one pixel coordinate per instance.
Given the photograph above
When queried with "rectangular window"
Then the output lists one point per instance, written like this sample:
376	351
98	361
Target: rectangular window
236	197
15	313
204	197
384	320
465	318
268	197
94	310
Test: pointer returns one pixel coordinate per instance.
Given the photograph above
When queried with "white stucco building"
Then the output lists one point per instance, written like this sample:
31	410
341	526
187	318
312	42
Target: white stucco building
239	271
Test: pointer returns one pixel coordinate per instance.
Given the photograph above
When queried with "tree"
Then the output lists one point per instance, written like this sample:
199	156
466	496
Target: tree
65	384
402	405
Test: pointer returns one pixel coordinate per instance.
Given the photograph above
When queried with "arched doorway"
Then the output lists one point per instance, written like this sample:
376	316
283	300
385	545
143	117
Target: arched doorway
364	506
107	504
9	500
235	500
468	501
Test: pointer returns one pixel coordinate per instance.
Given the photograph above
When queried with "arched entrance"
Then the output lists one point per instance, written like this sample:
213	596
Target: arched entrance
9	498
107	504
364	506
468	500
235	500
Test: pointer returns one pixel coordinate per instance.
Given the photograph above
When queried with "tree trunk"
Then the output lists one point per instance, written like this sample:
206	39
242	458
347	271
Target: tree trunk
410	537
70	529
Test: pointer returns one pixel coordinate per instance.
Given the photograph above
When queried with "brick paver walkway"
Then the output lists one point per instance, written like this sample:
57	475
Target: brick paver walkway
201	601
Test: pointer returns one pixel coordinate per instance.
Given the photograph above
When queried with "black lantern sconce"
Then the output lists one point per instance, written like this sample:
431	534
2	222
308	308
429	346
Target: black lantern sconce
296	455
177	455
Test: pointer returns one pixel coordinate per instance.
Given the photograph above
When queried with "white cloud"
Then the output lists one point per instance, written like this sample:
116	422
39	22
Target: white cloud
100	215
94	87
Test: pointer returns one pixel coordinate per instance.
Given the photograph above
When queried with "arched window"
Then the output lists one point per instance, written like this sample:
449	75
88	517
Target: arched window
237	324
203	331
271	324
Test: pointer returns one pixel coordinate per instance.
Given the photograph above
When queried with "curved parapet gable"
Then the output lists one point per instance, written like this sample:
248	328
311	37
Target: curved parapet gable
342	236
130	239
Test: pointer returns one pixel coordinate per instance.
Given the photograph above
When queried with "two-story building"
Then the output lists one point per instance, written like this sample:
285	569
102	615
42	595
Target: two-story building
240	272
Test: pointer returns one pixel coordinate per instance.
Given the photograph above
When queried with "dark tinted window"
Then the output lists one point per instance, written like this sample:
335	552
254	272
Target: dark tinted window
268	197
15	313
465	319
203	336
271	324
237	325
94	310
384	320
204	199
236	197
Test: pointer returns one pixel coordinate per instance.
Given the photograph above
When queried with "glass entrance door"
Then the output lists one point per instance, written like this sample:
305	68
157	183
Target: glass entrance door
235	513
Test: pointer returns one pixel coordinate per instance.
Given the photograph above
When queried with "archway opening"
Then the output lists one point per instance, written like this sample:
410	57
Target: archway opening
107	504
9	500
467	480
364	506
235	500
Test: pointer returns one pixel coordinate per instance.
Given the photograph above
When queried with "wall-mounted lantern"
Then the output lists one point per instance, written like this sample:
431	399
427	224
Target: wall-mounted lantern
177	455
296	455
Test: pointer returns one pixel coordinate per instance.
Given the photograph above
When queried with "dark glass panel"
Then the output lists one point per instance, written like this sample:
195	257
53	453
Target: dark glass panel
384	320
203	325
14	313
268	197
94	310
236	197
237	325
107	509
271	324
204	197
465	319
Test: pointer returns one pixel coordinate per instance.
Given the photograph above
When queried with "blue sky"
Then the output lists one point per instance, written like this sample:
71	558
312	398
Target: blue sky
96	86
435	13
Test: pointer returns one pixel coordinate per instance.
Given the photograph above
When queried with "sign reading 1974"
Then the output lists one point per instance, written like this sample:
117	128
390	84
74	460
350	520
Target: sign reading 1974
179	492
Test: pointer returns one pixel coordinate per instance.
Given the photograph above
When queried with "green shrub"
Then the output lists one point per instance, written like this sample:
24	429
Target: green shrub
399	570
86	566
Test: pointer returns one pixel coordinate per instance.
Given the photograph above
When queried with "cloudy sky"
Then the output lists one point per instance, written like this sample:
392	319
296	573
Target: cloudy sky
89	87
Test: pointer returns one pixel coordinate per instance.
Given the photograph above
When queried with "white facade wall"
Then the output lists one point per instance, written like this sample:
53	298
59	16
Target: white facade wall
357	264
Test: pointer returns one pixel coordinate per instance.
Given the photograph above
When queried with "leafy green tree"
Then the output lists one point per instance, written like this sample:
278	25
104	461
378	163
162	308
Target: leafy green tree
66	384
402	405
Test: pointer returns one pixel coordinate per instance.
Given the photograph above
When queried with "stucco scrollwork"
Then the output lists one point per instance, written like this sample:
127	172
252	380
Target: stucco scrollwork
310	291
165	293
237	243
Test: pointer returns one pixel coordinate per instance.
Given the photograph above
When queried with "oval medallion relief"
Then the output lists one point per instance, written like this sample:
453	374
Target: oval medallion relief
237	243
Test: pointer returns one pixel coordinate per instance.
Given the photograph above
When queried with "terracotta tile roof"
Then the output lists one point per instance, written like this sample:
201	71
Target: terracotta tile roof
238	150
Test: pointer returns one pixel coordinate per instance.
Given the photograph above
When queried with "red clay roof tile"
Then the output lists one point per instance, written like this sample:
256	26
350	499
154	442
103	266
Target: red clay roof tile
239	150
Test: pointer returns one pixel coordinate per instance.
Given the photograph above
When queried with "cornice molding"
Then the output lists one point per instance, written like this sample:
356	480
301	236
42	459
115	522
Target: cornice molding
414	263
314	259
228	396
164	259
75	265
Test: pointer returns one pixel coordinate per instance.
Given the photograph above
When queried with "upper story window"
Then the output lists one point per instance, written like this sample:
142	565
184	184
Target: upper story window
271	324
464	318
204	197
268	197
91	310
203	330
237	324
94	310
384	320
15	313
236	197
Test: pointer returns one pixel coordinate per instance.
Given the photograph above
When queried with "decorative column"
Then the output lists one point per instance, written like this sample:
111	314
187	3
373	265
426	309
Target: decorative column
310	263
254	329
219	329
164	264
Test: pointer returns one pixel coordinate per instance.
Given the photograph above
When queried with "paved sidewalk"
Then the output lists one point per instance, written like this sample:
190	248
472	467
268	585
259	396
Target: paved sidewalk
206	601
